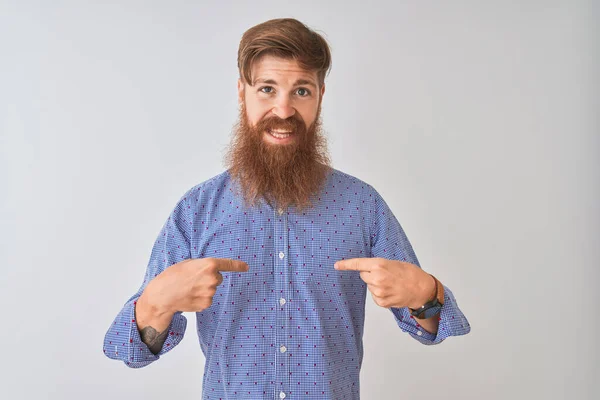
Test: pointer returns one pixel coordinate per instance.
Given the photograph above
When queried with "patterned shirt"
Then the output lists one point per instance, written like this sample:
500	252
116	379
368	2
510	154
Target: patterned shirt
292	326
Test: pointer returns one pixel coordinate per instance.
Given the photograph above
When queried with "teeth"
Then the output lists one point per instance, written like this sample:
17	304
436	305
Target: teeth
280	133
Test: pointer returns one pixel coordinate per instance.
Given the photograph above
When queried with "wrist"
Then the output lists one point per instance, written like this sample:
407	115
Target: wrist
431	307
426	292
151	302
151	318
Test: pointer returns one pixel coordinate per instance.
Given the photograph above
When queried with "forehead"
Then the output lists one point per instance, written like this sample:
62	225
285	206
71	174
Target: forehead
283	71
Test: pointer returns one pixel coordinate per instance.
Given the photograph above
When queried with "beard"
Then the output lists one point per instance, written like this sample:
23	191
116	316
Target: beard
283	175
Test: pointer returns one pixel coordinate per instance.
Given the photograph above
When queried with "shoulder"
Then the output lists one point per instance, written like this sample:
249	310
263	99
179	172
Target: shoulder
209	187
351	182
340	177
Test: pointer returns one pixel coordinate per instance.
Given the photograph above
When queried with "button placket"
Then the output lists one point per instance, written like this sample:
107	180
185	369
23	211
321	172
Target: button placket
282	365
285	262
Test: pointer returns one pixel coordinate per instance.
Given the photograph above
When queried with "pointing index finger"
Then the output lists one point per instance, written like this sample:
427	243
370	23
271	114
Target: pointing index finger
353	264
225	264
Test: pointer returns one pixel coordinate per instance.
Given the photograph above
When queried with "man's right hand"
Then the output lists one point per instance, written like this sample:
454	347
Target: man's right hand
186	286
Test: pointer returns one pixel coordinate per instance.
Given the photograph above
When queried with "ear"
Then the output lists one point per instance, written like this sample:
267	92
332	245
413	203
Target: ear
240	87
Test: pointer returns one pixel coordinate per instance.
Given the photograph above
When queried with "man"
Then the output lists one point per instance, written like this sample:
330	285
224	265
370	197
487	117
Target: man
276	254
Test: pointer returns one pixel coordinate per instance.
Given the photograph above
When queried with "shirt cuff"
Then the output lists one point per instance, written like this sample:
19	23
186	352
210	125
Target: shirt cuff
138	353
452	322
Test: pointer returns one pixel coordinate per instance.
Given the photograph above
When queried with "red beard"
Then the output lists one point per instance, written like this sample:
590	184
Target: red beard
284	174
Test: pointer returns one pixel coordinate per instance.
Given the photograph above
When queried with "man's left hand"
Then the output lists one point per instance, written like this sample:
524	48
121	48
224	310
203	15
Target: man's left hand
392	283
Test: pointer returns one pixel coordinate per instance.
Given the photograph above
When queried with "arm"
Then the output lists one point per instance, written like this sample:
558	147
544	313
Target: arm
389	241
130	340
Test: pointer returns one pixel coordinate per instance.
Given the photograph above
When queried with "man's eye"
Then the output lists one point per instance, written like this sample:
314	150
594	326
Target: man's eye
266	89
302	92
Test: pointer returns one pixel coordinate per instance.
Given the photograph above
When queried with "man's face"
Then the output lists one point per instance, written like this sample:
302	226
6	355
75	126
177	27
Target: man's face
281	90
278	151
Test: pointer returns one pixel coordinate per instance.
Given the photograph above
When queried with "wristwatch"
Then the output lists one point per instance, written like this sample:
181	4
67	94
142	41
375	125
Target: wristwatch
433	306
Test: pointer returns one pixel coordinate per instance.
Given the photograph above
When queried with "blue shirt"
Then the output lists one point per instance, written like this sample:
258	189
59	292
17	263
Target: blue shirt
292	326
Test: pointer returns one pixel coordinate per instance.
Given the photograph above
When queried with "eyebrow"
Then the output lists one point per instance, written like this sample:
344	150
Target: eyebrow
299	82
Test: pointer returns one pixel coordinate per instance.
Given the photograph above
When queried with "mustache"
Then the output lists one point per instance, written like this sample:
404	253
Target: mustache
293	123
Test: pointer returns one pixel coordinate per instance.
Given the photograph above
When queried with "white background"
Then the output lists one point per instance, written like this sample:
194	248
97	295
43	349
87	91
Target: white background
477	121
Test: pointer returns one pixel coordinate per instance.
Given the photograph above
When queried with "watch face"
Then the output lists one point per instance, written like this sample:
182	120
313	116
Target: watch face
430	312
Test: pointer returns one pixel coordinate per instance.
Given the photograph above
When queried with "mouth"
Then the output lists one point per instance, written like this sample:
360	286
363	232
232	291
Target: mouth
280	134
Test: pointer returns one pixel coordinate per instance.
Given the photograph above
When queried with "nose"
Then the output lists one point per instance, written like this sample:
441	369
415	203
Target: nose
283	109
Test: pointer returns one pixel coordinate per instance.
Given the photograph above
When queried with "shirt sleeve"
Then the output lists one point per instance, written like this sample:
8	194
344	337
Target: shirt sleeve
122	340
389	241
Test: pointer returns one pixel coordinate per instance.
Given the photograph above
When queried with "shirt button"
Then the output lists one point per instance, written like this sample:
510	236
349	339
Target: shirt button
281	395
283	349
281	301
280	211
281	254
419	333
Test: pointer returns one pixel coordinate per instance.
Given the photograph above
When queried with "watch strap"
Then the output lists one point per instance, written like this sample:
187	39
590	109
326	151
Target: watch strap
432	306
